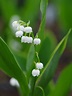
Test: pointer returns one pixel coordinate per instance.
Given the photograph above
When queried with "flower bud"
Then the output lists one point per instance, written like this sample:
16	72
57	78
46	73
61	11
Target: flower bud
26	39
39	65
37	41
28	29
15	24
35	72
23	39
21	28
29	40
19	33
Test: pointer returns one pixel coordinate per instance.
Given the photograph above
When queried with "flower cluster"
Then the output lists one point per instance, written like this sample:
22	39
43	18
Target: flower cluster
36	72
24	31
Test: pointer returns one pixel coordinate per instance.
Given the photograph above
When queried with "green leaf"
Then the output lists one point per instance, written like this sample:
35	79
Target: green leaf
43	6
30	60
64	82
51	66
47	47
21	61
49	88
10	66
39	91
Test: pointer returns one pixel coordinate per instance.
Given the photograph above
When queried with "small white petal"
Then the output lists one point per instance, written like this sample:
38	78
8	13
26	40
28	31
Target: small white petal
12	19
19	33
35	72
15	24
14	82
21	28
37	41
28	29
26	39
29	40
39	65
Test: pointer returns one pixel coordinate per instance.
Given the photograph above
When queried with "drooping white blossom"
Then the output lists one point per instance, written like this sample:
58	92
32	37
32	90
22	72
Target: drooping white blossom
30	39
23	39
21	28
14	82
35	72
39	65
28	29
37	41
15	24
26	39
19	33
12	19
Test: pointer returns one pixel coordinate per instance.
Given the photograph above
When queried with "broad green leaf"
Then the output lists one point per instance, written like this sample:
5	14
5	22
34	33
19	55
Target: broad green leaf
32	81
51	66
30	60
64	82
43	6
49	88
21	61
39	91
47	47
10	66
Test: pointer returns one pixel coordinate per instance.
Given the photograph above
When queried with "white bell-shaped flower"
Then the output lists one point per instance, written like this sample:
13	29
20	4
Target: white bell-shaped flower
29	40
35	72
37	41
21	28
19	33
26	39
28	29
14	82
39	65
15	24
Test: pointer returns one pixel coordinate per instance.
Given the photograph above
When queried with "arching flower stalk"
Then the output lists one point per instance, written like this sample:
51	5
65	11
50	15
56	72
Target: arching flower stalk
25	32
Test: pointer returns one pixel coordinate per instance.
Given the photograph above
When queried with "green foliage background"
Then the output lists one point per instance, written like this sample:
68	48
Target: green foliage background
17	61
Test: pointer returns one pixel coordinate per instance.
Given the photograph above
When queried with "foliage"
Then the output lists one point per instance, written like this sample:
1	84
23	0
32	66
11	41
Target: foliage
20	68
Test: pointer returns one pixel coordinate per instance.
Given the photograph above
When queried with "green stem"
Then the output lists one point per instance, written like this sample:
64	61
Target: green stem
37	57
32	35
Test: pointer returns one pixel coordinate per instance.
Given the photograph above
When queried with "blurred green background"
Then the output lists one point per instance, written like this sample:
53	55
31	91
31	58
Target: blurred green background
58	22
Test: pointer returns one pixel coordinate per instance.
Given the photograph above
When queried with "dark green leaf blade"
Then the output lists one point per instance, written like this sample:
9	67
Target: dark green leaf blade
21	61
30	60
43	6
47	47
64	82
39	91
51	66
10	66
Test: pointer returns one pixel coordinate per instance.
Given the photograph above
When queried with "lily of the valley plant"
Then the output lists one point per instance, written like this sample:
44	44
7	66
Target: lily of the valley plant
25	32
37	78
